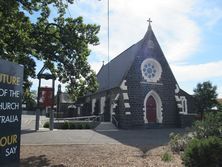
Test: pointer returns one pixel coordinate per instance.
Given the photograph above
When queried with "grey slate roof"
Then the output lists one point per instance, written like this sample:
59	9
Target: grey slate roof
120	65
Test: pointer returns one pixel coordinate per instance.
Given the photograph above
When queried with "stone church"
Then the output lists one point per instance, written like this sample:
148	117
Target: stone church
138	89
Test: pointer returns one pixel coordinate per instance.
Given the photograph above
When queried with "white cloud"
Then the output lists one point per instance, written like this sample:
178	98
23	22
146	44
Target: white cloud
96	66
178	35
176	32
209	12
197	72
213	16
189	75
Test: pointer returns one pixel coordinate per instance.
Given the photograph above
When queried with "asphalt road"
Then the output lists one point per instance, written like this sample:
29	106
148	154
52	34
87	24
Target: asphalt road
136	137
152	137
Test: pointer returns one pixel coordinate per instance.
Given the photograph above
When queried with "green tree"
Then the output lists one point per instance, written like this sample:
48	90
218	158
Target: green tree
206	96
61	44
219	105
30	100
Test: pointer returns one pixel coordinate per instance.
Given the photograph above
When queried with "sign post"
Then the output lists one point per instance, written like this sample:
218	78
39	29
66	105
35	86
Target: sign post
11	81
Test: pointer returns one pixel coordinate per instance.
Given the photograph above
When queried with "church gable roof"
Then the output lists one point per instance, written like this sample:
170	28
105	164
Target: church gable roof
120	65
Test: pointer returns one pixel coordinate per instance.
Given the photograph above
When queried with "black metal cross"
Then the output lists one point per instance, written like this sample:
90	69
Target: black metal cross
149	21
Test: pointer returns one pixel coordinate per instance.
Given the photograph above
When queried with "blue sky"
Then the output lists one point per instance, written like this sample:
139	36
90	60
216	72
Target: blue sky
189	33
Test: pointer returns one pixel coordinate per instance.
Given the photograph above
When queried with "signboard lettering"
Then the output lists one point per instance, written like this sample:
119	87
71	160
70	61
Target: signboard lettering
11	80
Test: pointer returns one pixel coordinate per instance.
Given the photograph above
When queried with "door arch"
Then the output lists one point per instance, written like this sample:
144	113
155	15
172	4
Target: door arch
152	108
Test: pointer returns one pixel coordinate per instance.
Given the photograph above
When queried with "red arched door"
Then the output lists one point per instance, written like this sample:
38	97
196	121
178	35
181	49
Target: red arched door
151	110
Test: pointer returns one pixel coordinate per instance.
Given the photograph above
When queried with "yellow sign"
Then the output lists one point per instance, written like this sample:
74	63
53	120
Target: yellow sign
9	79
8	140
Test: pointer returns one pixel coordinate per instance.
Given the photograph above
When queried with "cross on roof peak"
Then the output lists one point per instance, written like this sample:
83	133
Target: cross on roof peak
149	20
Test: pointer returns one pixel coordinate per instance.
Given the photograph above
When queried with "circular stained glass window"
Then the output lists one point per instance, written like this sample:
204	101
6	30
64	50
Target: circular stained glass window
151	70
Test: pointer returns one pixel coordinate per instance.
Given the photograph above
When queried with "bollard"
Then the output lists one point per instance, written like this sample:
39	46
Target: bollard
51	119
37	114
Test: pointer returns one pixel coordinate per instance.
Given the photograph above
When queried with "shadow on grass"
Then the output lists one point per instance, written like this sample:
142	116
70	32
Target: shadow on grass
37	161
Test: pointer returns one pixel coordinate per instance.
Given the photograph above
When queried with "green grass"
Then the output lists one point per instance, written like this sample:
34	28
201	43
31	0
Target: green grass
167	157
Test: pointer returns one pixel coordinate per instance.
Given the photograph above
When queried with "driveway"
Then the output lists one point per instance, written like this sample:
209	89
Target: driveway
136	138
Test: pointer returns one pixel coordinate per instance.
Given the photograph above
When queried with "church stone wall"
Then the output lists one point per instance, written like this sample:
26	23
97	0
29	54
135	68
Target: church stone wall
120	114
191	105
138	88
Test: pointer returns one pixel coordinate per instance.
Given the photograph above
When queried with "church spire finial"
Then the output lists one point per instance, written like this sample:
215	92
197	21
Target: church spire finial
150	21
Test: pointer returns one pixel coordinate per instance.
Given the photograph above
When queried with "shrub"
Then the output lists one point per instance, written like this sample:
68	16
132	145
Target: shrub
79	126
178	142
75	125
87	126
205	152
83	125
72	125
210	126
166	157
46	125
65	125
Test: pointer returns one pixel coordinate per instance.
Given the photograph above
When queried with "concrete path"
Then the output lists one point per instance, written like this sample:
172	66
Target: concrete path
106	126
28	122
154	137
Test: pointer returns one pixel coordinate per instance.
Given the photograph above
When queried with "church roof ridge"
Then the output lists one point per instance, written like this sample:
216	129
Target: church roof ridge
119	55
122	53
117	68
100	69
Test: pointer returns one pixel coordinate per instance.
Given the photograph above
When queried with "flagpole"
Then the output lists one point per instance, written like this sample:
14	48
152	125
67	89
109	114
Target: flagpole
108	43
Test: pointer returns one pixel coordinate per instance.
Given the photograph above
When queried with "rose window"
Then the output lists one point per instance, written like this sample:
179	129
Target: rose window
151	70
